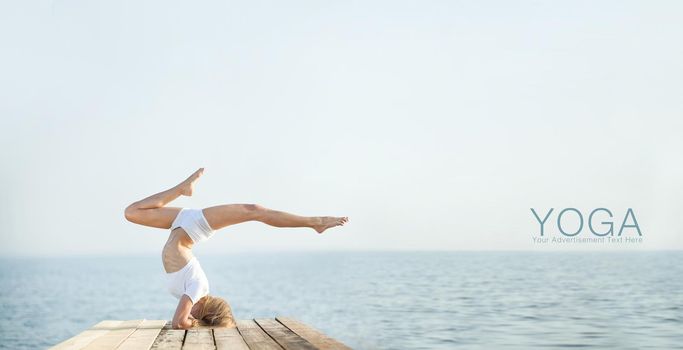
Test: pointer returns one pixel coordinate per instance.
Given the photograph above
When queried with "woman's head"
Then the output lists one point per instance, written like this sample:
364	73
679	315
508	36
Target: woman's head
214	311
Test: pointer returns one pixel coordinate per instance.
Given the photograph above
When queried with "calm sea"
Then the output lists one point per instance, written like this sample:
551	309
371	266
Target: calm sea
375	300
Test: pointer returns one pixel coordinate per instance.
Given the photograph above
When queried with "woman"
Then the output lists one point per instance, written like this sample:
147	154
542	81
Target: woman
186	279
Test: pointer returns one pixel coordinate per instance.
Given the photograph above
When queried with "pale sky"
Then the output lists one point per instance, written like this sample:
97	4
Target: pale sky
431	124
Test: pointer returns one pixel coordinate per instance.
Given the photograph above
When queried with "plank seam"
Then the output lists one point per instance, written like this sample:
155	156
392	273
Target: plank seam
284	325
268	334
339	343
242	335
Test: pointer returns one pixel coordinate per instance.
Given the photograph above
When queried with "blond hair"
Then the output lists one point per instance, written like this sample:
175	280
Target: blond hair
216	312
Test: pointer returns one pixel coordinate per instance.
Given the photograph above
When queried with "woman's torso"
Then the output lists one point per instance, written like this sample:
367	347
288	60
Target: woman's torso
177	251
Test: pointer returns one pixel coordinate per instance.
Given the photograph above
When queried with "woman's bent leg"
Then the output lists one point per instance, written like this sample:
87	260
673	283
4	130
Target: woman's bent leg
150	211
156	217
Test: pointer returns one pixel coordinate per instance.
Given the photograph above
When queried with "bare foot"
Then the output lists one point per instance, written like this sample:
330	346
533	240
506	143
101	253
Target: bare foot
187	187
325	222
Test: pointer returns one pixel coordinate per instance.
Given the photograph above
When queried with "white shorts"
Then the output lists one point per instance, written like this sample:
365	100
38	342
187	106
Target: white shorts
194	223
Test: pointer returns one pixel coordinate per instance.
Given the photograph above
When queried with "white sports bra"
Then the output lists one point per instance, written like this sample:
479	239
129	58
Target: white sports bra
190	281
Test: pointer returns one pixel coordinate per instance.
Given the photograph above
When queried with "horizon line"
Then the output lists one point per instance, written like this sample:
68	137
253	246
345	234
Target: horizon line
209	254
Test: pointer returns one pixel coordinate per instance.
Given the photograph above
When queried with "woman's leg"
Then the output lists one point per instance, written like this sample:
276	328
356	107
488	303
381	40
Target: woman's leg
230	214
151	211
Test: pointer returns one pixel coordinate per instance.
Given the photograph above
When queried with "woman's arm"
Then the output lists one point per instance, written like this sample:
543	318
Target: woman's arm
182	318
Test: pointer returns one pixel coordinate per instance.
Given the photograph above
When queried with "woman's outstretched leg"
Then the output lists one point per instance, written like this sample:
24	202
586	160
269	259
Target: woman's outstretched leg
151	211
230	214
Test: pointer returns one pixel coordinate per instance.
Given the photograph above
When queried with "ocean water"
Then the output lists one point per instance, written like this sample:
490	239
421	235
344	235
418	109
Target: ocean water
482	300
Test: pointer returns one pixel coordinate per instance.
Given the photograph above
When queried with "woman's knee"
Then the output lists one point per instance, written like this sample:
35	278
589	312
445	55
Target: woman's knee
254	211
132	213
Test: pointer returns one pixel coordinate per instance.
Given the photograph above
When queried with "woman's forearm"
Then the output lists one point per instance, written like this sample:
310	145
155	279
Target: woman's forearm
186	323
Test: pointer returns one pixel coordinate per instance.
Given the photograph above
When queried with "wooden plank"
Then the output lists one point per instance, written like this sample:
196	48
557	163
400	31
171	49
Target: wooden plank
144	336
199	339
315	337
255	337
229	339
86	337
114	337
169	339
107	324
283	335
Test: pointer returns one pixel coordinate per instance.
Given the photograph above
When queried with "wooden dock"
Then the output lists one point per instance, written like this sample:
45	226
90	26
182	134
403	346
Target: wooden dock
258	334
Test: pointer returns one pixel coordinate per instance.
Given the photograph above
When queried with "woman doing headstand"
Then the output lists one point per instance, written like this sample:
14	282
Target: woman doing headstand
185	277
